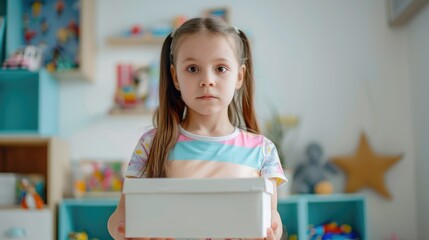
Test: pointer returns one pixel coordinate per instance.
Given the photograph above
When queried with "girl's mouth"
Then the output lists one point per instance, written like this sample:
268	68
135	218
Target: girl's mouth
206	97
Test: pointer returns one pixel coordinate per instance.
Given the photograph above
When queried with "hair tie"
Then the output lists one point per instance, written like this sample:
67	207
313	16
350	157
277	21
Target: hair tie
236	30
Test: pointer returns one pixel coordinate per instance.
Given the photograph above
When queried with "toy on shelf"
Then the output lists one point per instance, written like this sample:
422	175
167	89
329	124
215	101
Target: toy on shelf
24	181
31	199
331	231
96	178
126	90
28	57
309	177
136	87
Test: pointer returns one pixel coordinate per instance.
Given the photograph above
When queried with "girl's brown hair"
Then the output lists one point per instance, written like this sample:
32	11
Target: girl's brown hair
171	110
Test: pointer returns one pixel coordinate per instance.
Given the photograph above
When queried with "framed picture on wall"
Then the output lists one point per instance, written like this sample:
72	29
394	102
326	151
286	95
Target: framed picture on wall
221	12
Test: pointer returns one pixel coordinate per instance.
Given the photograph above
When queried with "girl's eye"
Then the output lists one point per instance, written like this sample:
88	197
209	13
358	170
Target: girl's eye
221	69
192	69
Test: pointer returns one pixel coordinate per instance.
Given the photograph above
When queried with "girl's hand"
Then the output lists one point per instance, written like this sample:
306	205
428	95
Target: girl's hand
275	231
276	225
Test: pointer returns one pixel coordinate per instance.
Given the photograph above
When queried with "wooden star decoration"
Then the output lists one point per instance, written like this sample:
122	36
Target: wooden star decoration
366	168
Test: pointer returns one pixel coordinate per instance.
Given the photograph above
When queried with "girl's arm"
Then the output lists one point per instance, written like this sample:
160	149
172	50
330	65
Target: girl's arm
116	223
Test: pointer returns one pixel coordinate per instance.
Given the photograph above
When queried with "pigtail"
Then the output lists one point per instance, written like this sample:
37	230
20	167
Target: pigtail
247	99
166	118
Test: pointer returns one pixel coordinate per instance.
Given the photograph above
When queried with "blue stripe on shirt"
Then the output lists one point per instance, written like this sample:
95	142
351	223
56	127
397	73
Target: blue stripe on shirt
215	151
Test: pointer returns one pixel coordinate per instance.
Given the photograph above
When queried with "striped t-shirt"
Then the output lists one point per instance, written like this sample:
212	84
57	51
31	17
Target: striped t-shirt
238	155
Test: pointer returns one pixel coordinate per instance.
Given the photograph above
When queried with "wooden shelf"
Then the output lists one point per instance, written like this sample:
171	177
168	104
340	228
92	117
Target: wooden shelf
49	158
45	156
134	40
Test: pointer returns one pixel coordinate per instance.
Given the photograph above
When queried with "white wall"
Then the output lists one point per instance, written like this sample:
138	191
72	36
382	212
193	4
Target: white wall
334	63
418	33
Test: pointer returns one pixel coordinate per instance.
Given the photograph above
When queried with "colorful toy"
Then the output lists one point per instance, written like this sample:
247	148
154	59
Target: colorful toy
31	199
97	177
28	57
331	231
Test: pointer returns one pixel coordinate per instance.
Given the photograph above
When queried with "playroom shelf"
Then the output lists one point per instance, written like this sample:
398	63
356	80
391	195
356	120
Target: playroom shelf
298	212
48	157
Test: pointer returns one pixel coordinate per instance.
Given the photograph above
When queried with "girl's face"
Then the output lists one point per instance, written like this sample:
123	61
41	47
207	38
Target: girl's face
206	72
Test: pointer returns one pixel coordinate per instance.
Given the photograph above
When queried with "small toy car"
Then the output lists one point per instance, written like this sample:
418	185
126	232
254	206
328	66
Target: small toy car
28	57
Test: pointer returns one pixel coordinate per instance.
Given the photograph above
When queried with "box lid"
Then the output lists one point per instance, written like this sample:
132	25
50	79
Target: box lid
186	185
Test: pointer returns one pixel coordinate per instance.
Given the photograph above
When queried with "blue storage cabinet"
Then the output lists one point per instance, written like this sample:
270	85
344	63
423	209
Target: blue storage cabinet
29	102
89	215
298	212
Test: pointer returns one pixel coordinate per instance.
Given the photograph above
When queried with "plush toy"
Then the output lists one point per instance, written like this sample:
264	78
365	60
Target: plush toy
32	199
311	173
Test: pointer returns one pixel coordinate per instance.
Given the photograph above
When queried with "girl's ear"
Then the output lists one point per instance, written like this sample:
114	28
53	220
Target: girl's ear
174	76
240	80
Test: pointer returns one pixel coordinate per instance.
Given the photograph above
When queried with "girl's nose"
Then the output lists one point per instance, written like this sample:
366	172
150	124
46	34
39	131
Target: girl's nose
207	80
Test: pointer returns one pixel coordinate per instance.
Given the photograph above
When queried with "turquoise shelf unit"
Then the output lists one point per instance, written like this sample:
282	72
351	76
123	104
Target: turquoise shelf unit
298	212
28	103
89	215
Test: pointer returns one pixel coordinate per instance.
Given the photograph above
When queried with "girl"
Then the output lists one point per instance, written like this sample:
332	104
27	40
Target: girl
205	125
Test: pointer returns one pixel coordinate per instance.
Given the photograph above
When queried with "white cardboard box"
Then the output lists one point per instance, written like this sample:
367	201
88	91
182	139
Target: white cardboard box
198	208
